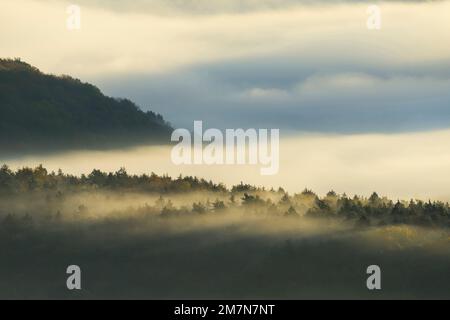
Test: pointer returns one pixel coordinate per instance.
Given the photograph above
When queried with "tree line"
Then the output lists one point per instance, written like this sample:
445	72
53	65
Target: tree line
362	211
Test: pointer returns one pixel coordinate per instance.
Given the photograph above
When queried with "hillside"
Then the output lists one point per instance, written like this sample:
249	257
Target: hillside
46	112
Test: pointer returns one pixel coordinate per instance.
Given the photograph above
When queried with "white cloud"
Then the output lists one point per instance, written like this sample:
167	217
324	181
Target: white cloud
147	42
263	94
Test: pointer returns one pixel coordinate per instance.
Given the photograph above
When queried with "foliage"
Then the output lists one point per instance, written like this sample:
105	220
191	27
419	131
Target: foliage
363	212
45	111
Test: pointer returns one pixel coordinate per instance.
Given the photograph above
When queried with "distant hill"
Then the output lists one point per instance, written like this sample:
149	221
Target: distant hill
40	112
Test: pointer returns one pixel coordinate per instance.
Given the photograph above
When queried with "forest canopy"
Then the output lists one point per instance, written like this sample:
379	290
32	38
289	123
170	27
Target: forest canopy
40	111
216	197
152	236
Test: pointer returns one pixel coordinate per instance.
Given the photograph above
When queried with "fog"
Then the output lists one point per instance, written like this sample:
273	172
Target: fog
156	245
404	166
127	249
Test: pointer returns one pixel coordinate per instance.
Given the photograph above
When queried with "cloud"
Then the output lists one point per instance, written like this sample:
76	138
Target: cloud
308	99
208	7
114	43
297	67
263	94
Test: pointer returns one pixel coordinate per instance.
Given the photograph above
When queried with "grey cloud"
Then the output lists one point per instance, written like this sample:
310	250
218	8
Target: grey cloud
281	92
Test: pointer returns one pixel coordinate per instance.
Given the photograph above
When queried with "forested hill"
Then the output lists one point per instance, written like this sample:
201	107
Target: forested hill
46	112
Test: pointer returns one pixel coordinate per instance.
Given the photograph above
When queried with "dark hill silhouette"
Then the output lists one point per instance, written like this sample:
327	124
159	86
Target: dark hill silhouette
40	112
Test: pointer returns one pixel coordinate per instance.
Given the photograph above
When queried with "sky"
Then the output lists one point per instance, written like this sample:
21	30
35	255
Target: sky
300	66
